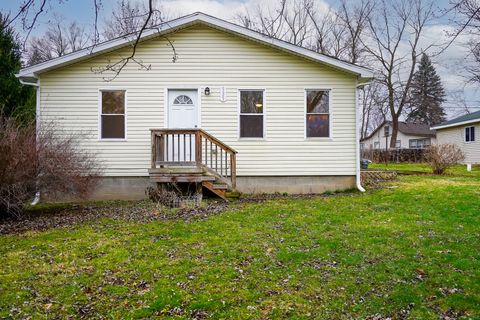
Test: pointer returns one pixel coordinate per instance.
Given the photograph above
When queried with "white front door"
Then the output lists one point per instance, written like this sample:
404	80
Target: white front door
182	114
182	109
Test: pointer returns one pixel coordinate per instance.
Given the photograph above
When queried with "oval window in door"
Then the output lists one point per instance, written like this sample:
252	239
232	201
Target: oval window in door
183	99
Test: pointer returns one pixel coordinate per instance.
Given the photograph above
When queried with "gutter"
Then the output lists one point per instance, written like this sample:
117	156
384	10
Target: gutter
357	140
456	124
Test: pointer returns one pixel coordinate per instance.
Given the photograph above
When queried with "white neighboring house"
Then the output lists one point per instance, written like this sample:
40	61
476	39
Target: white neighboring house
410	136
463	131
237	110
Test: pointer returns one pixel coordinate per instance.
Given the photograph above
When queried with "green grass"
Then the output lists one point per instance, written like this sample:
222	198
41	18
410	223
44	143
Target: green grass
460	170
409	251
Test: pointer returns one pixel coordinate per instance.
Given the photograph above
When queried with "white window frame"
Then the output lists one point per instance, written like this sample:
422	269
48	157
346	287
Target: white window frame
330	113
264	113
399	144
125	113
465	134
375	145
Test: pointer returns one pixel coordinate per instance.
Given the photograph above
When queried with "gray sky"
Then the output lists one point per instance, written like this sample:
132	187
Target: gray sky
446	64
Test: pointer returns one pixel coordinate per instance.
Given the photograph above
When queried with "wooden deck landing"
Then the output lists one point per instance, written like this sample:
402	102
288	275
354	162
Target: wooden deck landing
192	156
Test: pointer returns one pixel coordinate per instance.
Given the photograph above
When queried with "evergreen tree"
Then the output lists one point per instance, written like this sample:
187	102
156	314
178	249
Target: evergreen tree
427	95
16	100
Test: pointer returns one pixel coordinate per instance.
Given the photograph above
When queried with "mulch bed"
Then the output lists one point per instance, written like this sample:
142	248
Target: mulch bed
143	211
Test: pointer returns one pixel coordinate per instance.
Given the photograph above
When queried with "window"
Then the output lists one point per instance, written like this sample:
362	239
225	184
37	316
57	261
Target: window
469	134
362	146
251	113
318	113
112	122
418	143
183	99
376	145
387	131
398	144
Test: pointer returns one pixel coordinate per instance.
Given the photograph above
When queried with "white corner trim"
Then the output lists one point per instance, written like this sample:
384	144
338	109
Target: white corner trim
183	22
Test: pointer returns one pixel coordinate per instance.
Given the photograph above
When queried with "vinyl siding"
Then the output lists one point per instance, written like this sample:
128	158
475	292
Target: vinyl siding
208	57
456	135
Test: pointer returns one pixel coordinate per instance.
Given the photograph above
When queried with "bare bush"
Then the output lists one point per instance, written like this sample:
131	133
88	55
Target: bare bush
175	195
443	156
50	163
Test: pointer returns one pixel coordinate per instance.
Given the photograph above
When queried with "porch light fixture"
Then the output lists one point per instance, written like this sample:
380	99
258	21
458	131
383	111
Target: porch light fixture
207	91
259	105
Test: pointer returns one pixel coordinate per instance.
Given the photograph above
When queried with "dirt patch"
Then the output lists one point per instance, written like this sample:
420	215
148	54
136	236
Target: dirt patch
69	215
74	214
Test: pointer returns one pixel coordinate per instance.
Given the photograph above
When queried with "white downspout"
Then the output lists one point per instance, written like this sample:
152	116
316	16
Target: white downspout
36	200
357	138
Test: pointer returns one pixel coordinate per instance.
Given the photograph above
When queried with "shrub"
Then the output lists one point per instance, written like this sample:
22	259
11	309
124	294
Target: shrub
443	156
50	163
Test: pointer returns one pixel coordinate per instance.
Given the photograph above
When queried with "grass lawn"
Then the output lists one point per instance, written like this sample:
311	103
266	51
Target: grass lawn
460	170
411	251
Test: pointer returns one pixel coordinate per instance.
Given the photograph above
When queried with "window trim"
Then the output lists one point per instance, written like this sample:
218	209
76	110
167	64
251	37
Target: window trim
330	114
100	90
465	134
264	113
424	146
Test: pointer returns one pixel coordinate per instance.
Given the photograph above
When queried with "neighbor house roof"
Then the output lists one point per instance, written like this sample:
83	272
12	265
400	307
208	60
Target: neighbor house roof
411	129
32	72
465	119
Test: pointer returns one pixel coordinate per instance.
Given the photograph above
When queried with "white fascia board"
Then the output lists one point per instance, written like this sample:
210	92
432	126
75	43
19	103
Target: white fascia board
183	22
455	124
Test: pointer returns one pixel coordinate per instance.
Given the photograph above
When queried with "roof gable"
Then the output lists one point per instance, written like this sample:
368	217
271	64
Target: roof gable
364	74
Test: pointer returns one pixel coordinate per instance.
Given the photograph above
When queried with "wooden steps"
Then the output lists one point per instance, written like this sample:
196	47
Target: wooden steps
200	175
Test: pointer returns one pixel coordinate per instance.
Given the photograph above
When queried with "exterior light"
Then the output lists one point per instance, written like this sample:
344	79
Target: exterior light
207	91
259	105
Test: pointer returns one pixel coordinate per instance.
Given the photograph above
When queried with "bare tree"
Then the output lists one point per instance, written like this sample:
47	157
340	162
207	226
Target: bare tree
57	41
395	30
30	11
268	22
339	32
467	19
128	17
373	103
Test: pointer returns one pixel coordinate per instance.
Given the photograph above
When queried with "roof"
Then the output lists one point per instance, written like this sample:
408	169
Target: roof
407	128
465	119
32	72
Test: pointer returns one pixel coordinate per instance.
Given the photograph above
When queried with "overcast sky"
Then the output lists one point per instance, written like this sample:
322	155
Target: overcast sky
446	64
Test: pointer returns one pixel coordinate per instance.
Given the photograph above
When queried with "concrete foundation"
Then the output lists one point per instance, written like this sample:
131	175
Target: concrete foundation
121	188
133	188
294	184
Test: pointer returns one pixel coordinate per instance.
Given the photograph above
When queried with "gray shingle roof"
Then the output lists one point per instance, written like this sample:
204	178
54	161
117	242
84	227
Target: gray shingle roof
412	129
471	117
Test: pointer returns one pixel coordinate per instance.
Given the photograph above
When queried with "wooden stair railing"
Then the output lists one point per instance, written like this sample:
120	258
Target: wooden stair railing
194	147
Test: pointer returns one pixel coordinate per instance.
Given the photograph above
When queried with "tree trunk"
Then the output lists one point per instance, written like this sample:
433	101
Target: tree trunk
393	140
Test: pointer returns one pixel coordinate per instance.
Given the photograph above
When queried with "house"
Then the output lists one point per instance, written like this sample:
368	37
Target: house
236	110
462	131
410	136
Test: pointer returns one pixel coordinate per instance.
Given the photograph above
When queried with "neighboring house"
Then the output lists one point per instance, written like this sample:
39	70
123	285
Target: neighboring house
463	131
409	136
274	117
